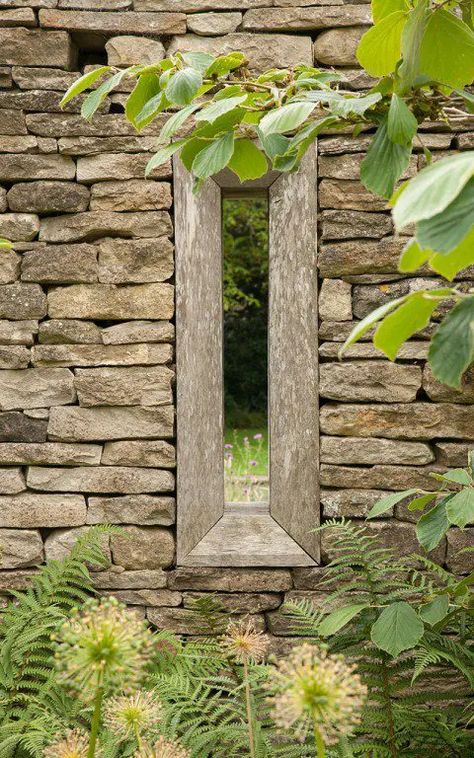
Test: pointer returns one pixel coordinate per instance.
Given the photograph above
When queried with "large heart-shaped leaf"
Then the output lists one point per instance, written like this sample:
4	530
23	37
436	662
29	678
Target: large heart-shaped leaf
460	509
452	346
398	628
247	161
380	48
447	50
183	86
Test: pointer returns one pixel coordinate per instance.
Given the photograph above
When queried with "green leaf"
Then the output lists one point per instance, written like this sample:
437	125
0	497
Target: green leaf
221	125
339	618
444	232
214	157
247	161
459	476
433	189
345	105
432	526
382	8
199	61
211	112
384	163
147	86
176	121
460	509
435	611
83	83
452	346
419	503
163	155
152	108
183	86
380	48
413	257
274	144
386	503
447	50
450	264
398	628
95	98
287	118
468	98
402	124
5	244
411	43
224	64
412	316
368	322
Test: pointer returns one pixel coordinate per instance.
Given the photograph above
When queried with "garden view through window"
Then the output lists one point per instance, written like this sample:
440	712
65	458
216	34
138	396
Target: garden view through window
245	239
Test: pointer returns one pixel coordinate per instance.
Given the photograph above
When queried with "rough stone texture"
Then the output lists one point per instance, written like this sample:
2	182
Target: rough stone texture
185	621
48	197
36	388
116	23
101	480
95	424
148	597
12	122
144	510
360	257
129	50
335	300
9	266
132	195
16	427
99	355
154	453
117	578
60	331
15	168
399	421
368	297
12	481
378	477
43	78
348	224
238	602
457	561
137	331
214	24
350	503
59	543
33	509
124	386
91	226
49	453
368	381
441	393
17	17
300	19
17	332
347	195
56	264
14	356
105	301
453	453
231	580
19	226
73	125
135	261
357	450
338	47
25	47
22	301
20	548
143	548
117	166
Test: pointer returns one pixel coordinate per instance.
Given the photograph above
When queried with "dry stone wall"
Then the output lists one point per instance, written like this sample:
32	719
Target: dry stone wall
86	307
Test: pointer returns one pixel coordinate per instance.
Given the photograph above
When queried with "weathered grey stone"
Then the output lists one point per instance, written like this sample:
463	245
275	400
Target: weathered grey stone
19	226
379	477
20	547
347	195
348	166
24	453
144	510
69	331
47	145
338	47
14	168
100	479
12	481
135	261
60	542
300	19
308	578
55	264
17	332
43	101
263	51
105	301
441	393
36	388
3	200
348	224
100	5
43	78
32	509
129	50
90	226
335	301
410	351
214	24
360	257
230	580
100	355
9	265
136	385
115	23
154	453
16	580
20	301
143	548
91	424
453	453
357	450
17	17
368	381
5	76
37	412
117	167
48	197
238	602
35	47
422	421
147	597
457	561
185	621
136	331
368	297
118	579
73	125
14	357
192	6
132	195
16	427
92	145
12	123
27	144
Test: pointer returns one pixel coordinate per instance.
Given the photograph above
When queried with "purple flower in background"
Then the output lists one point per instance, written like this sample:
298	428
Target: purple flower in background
253	463
258	436
228	446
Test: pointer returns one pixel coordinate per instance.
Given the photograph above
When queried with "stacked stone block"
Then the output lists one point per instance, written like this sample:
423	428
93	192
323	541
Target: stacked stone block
87	306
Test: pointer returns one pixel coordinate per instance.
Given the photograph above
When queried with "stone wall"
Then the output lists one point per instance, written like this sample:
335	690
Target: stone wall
86	306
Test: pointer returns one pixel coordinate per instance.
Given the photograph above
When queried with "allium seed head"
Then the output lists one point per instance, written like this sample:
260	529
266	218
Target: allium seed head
244	643
313	687
163	749
128	715
73	745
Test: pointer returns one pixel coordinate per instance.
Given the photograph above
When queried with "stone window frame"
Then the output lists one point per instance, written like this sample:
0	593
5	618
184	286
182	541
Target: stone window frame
209	531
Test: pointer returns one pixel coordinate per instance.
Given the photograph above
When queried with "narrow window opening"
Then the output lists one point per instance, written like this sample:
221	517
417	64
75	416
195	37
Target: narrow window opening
245	225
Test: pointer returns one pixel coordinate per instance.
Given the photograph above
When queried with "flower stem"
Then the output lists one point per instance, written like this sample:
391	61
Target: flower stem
95	725
248	702
137	736
318	740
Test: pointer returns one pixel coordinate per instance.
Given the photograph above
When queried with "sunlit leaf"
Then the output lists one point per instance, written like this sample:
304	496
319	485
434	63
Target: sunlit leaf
339	618
386	503
247	161
369	322
398	628
447	50
412	36
382	8
450	264
452	346
287	118
445	231
413	257
183	86
212	111
147	86
199	61
95	99
177	120
224	64
420	503
214	157
163	155
381	46
5	244
460	509
84	83
410	317
435	610
458	475
432	526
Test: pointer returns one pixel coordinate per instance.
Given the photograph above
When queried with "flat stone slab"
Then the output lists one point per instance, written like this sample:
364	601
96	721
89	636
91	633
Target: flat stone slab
120	479
32	509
